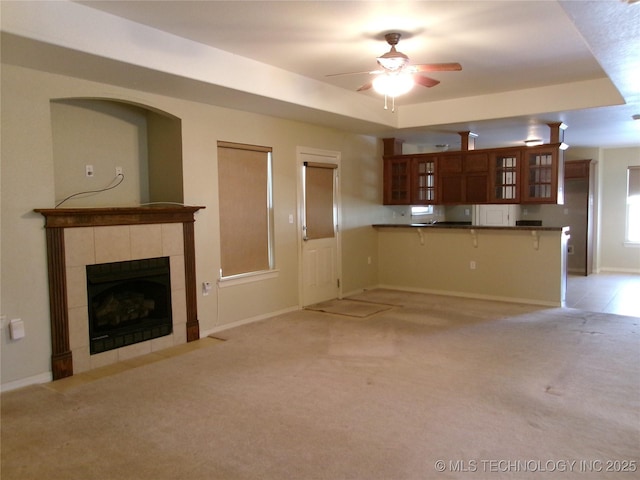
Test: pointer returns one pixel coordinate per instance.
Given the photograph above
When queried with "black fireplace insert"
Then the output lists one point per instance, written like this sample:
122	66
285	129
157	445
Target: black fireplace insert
129	302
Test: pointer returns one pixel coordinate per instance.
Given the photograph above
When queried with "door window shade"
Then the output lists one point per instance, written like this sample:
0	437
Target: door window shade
319	200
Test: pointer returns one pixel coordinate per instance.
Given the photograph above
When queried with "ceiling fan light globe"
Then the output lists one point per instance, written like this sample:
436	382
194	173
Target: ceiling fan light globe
393	85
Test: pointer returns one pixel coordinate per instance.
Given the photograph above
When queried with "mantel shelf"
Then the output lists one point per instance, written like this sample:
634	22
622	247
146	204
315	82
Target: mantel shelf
104	216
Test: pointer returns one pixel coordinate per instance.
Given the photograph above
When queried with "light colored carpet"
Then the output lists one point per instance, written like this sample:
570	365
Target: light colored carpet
501	390
350	307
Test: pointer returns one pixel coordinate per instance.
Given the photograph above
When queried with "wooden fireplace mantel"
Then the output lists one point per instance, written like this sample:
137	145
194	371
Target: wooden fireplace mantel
94	217
57	219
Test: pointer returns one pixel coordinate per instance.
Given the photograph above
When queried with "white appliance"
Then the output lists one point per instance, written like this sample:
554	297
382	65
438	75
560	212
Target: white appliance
495	215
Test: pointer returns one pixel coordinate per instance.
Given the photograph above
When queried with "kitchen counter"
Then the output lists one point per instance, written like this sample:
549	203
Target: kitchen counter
467	226
524	264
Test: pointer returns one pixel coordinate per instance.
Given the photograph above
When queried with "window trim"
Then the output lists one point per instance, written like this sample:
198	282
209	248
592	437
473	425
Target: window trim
634	189
244	278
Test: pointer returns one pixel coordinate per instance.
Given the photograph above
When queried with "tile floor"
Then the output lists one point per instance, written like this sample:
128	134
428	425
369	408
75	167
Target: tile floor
605	292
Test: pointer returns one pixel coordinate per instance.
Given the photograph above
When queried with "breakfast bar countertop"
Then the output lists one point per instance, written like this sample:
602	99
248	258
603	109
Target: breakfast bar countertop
466	226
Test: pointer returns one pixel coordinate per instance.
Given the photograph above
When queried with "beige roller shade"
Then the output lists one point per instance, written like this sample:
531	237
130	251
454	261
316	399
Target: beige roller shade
319	200
243	175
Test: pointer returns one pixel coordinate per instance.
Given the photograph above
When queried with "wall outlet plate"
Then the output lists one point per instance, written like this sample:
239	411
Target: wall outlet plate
16	329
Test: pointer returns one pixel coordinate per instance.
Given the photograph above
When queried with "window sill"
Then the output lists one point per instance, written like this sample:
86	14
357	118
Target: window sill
632	244
243	278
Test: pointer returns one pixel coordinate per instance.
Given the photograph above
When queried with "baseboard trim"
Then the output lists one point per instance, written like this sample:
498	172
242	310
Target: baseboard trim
356	292
246	321
634	271
495	298
26	382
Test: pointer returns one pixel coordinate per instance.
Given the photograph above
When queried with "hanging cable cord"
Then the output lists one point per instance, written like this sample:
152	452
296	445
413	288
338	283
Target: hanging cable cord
119	177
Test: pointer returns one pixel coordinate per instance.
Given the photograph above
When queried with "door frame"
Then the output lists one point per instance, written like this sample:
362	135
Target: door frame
326	156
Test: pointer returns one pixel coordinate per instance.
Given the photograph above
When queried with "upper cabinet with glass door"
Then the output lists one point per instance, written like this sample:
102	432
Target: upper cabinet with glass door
423	188
543	175
505	177
397	181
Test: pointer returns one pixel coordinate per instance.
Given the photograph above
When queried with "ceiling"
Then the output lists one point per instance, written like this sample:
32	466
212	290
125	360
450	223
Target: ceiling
524	63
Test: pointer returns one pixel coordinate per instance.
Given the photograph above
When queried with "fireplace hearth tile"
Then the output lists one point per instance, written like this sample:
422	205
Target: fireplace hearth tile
81	359
176	264
135	350
103	359
172	239
113	244
79	245
78	328
143	360
146	241
161	343
107	370
178	308
180	333
76	287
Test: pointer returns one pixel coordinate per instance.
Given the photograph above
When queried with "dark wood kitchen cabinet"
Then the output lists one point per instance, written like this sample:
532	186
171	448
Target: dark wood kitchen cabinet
463	178
504	176
488	176
424	181
543	175
410	180
450	179
397	180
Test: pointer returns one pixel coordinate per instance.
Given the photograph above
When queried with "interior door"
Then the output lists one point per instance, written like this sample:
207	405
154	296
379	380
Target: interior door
320	234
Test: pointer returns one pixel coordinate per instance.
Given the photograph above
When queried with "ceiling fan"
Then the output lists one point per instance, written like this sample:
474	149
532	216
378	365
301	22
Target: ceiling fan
397	75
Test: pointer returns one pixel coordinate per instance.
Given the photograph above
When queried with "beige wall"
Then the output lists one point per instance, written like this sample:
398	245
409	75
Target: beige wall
614	255
105	135
28	182
165	158
509	266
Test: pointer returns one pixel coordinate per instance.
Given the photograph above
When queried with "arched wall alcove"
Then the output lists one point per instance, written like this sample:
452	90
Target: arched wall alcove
106	134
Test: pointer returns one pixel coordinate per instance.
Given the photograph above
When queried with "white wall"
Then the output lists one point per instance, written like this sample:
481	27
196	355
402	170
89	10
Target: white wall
28	183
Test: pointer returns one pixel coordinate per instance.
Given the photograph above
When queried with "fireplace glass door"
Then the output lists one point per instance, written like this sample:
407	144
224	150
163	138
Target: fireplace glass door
129	302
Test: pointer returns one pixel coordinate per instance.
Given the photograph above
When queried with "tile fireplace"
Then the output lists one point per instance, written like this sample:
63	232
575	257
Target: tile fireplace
83	241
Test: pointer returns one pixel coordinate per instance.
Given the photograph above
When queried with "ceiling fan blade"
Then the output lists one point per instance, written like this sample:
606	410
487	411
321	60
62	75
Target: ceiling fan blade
364	87
371	72
425	81
437	67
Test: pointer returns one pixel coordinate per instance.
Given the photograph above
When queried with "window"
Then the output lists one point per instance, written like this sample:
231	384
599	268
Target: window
246	210
633	205
417	211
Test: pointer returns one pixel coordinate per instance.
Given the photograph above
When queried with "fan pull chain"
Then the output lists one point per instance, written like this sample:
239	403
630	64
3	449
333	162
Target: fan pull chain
393	103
